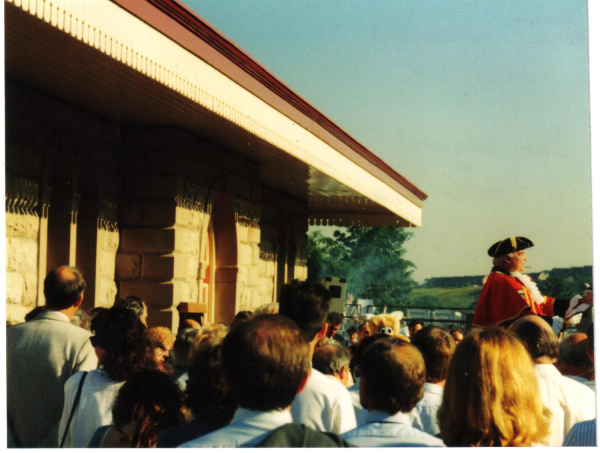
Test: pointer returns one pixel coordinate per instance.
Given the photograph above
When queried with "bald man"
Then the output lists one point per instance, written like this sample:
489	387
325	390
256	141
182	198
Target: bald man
569	401
41	355
573	358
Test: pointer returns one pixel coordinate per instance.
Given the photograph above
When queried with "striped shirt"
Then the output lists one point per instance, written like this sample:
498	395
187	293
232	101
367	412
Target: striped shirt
583	434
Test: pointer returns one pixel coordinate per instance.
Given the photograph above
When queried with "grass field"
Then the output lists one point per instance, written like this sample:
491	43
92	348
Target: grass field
445	297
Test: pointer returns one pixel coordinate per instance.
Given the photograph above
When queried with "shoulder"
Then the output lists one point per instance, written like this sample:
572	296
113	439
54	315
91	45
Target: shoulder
329	389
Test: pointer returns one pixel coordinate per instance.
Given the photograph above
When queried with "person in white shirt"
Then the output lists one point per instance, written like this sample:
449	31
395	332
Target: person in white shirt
333	360
266	362
569	401
323	405
392	381
120	345
437	347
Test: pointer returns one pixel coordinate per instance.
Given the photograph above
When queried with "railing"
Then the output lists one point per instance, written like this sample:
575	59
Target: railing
354	314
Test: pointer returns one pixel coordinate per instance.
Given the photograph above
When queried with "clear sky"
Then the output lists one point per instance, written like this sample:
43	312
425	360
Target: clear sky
484	105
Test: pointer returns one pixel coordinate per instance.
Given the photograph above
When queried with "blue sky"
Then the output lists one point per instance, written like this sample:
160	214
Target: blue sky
483	105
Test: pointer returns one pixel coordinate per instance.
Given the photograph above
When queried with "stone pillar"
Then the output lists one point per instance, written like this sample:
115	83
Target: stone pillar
300	232
43	243
247	220
97	243
22	231
159	251
62	230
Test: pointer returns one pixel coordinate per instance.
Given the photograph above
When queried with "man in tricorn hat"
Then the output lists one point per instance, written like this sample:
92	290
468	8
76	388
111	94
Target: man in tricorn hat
509	294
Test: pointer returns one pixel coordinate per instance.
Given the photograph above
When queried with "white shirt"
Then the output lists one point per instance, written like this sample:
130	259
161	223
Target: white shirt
569	401
98	395
385	430
182	381
359	412
247	429
324	405
426	409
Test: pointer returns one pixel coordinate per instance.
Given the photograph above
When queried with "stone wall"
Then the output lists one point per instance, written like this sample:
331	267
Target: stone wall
21	264
131	205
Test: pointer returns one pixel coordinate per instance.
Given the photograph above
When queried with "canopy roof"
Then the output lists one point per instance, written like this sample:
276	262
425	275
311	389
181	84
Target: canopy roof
158	63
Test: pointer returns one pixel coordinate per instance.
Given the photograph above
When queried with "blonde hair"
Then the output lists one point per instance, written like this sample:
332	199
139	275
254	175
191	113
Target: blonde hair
210	333
161	335
491	396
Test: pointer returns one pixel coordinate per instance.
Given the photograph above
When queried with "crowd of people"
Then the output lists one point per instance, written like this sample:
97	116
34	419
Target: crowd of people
288	377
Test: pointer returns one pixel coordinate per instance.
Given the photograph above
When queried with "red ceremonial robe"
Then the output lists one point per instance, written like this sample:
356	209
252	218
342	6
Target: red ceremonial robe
504	298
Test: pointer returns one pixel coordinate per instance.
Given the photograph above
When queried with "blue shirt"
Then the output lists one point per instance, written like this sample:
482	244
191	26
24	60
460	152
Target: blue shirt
385	430
582	434
426	409
247	429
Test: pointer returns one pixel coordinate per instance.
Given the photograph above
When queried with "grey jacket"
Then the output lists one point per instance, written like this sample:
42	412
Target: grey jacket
40	356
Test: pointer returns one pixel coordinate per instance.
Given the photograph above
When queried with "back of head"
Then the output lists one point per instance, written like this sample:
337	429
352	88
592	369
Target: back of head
437	347
368	341
62	287
393	376
491	396
133	303
572	350
541	341
181	347
208	334
121	335
152	402
307	304
208	395
265	359
331	358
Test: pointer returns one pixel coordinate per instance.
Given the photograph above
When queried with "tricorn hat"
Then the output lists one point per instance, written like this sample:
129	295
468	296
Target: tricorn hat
509	245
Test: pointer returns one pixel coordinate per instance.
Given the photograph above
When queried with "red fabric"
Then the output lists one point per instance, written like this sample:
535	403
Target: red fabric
504	299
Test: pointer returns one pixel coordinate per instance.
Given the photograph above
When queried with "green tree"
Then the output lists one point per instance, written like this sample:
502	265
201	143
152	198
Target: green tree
371	259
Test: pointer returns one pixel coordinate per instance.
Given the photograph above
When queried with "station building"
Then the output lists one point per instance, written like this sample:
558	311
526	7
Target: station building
150	151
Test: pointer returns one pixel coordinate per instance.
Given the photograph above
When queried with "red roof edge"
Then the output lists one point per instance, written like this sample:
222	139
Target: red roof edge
200	28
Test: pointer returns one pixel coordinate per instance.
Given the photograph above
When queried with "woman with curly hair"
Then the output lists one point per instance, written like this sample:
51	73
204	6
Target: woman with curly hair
147	404
119	342
491	397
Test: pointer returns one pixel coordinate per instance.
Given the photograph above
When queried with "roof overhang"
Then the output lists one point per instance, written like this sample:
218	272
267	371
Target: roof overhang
157	63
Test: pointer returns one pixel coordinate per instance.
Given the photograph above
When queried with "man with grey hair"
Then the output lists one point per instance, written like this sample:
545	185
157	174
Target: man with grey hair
569	401
333	360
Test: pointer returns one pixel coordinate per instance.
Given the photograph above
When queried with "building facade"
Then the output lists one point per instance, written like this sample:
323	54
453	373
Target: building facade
148	150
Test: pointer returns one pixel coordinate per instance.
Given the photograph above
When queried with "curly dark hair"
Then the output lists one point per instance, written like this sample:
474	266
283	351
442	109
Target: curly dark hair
120	333
208	395
133	303
152	401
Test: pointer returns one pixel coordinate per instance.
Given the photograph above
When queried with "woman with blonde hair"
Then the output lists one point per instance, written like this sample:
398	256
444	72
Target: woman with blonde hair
491	397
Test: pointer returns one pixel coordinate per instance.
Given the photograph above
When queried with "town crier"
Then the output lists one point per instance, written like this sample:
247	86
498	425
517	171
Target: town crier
509	294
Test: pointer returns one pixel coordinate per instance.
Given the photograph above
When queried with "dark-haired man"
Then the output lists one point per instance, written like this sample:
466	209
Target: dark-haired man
414	326
324	405
569	401
392	380
41	355
437	347
263	380
334	323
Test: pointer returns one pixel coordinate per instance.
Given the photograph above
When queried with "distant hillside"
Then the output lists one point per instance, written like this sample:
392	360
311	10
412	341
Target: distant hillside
465	297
